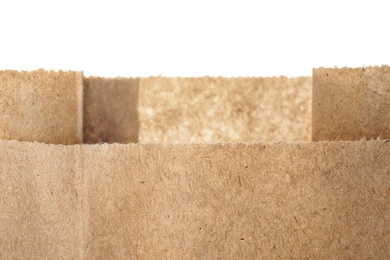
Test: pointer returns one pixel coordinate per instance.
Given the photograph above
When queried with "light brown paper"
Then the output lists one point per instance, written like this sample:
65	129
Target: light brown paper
211	110
234	201
351	103
44	106
111	110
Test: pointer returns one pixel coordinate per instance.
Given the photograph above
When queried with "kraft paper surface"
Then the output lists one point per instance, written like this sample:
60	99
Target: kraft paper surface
278	200
249	200
212	110
44	106
62	108
351	103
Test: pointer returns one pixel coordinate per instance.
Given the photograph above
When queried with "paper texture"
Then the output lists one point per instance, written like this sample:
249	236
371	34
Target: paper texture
258	199
351	103
111	110
233	201
52	107
44	106
212	110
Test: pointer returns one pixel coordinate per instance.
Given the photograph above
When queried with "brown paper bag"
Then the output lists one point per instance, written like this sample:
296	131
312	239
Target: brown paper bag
235	201
350	104
226	201
44	106
111	110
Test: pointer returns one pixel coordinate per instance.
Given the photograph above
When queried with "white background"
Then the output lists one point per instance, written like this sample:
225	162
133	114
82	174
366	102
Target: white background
193	38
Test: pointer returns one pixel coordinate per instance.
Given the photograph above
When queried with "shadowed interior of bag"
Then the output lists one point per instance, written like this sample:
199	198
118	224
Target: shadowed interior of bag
197	110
